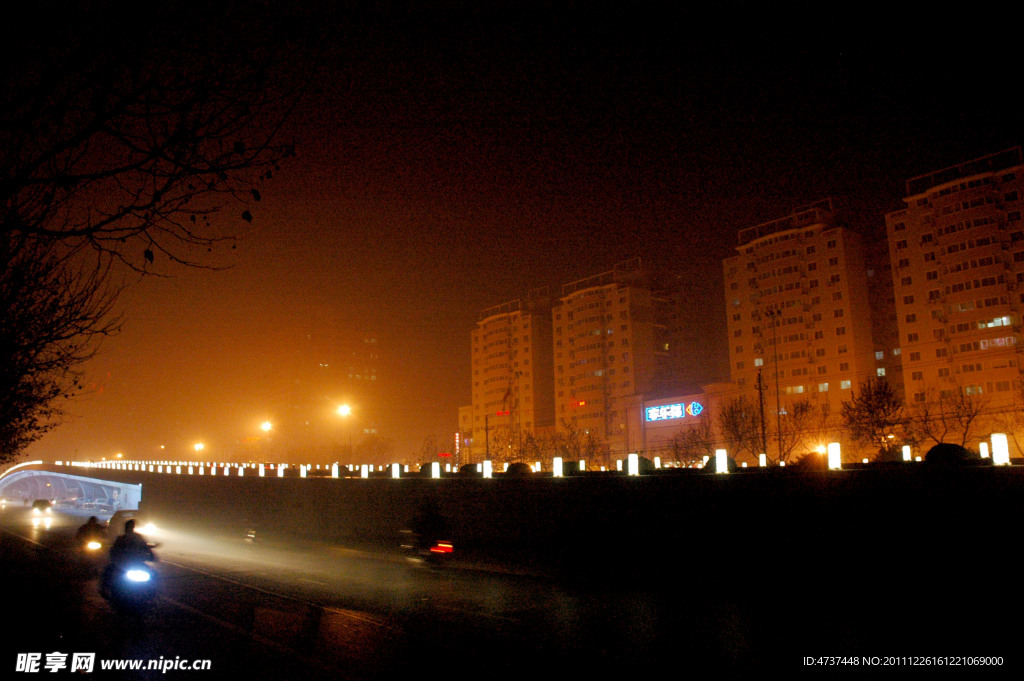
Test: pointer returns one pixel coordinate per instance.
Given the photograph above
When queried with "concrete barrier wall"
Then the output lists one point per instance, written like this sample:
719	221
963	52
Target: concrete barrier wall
761	522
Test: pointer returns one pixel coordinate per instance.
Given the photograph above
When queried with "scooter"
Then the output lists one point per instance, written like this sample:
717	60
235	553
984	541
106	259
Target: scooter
432	552
131	588
91	551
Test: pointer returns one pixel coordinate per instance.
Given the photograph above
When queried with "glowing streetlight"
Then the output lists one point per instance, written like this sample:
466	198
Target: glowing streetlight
266	426
344	411
199	446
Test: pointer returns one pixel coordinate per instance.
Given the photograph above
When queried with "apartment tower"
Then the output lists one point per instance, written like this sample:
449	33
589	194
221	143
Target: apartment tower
798	313
957	251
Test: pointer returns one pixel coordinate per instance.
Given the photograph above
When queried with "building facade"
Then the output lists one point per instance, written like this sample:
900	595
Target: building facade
957	251
610	346
512	391
799	317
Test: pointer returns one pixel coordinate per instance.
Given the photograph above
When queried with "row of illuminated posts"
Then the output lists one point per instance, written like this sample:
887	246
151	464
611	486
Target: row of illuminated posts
1000	457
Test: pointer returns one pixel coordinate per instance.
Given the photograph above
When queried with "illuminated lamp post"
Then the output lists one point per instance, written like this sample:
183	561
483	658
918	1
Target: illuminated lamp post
835	461
1000	449
344	411
721	461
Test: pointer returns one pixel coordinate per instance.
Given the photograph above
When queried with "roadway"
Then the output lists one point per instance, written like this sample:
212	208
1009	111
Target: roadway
266	610
317	610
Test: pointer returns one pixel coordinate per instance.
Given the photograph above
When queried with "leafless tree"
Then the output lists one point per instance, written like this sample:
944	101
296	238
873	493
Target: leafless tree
951	416
875	415
53	312
740	427
692	444
797	426
125	130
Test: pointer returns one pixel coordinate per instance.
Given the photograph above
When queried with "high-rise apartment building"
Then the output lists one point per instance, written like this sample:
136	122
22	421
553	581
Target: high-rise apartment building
957	252
512	376
798	312
610	345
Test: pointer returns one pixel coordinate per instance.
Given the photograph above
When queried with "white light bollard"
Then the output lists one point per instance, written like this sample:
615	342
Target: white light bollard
488	470
983	450
280	470
906	452
762	460
1000	449
334	470
262	471
721	461
657	462
835	459
302	470
435	470
556	467
583	465
633	464
396	471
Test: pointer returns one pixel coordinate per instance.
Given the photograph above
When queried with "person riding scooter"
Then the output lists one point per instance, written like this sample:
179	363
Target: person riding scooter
127	549
91	531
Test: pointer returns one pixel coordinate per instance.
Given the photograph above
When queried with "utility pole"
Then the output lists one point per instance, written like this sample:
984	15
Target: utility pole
760	402
772	314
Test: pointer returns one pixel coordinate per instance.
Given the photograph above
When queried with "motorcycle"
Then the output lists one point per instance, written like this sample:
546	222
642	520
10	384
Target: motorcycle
131	587
428	551
91	551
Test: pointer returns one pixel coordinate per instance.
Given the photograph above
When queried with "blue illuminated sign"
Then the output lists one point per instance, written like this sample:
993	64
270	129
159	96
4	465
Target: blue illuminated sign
665	412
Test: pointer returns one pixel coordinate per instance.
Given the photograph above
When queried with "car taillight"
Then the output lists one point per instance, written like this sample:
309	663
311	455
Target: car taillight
442	547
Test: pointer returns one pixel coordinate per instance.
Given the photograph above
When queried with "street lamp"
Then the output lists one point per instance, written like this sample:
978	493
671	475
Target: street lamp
344	411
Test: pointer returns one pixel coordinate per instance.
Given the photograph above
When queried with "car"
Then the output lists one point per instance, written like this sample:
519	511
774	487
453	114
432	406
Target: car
42	513
143	525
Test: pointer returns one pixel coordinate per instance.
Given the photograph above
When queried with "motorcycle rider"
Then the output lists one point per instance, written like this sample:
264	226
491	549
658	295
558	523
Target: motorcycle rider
127	548
91	531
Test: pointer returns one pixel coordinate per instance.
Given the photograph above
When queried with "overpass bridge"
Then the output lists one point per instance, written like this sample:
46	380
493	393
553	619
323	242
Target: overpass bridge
558	525
38	480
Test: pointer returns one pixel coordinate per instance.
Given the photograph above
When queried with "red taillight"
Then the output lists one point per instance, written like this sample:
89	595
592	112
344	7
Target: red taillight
442	547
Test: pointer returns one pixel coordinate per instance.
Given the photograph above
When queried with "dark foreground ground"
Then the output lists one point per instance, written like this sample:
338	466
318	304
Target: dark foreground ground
857	576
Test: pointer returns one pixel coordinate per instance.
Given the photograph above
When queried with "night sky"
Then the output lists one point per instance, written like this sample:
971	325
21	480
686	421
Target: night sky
451	158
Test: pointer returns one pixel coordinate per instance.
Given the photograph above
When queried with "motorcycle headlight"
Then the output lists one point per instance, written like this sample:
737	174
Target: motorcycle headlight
137	575
93	545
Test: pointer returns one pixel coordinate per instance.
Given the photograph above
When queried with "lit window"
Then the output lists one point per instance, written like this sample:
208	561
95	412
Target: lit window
844	385
880	371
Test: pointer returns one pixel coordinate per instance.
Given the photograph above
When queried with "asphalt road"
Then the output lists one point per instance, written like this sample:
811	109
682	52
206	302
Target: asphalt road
314	611
271	611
